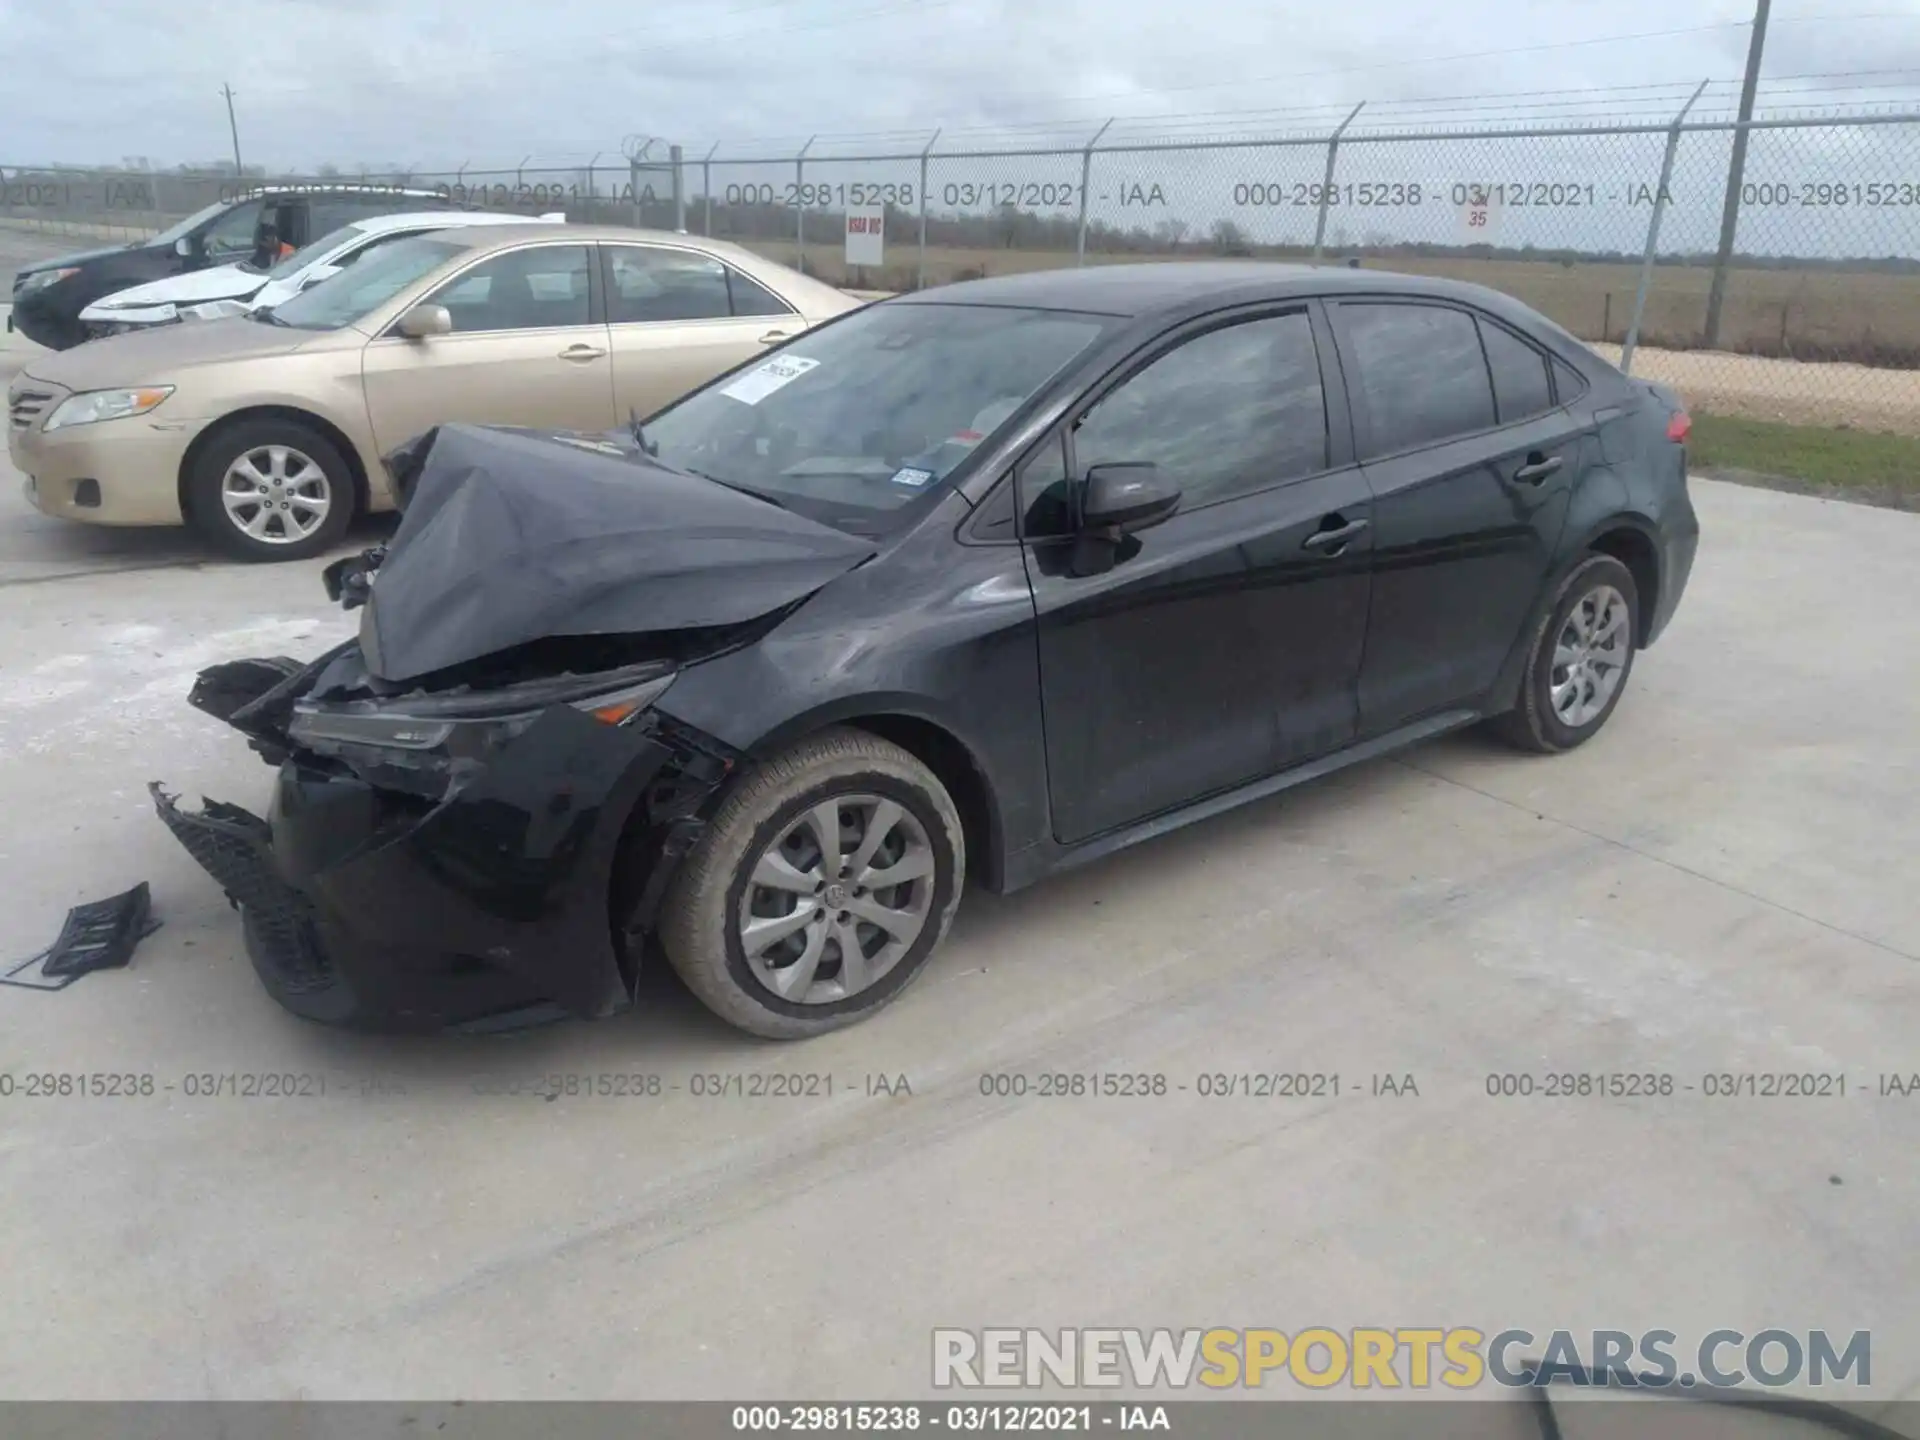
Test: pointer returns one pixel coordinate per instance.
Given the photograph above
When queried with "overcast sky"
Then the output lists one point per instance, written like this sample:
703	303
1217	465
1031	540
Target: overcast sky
435	83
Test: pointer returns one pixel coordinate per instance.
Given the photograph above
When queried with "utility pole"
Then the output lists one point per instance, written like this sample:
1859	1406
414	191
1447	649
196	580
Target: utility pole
234	129
1736	170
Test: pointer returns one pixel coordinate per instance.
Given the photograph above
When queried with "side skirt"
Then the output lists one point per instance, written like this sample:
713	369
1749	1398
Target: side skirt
1044	860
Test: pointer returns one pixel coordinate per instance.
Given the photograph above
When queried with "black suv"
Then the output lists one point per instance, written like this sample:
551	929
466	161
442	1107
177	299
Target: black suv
49	295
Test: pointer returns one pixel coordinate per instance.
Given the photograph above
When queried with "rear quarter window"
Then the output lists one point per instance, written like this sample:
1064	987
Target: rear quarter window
1568	383
1522	384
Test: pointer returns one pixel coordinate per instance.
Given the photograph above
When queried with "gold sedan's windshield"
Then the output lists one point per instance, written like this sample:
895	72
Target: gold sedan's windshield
360	289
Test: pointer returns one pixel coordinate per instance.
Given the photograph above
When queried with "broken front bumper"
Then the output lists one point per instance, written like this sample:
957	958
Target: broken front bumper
236	848
522	896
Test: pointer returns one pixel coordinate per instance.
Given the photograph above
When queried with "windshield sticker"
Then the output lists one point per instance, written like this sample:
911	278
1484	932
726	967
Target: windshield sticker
911	477
604	447
761	381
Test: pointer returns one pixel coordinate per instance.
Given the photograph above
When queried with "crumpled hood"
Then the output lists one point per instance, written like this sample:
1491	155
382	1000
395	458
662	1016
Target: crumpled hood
222	282
512	536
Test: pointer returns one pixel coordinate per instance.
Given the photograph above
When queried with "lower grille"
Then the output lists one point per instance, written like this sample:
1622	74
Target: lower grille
24	407
234	847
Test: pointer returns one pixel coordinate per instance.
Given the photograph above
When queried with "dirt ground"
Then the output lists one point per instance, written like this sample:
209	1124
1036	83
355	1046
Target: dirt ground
1791	392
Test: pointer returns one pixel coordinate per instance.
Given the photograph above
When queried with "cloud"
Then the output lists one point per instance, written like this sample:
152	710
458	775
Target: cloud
438	83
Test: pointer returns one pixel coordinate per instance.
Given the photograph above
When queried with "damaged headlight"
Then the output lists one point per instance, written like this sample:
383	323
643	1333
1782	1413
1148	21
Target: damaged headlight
42	280
423	743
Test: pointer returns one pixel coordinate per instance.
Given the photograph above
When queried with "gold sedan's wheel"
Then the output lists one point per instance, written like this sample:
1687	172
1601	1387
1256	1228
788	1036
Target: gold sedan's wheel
270	489
276	494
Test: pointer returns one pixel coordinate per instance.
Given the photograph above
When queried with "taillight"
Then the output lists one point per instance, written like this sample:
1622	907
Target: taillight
1679	427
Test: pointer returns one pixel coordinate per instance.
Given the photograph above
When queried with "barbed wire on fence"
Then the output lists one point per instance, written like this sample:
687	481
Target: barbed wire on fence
1610	227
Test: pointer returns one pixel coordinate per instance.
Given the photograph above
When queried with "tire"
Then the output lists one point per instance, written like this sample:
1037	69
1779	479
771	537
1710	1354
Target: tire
1535	723
774	808
301	460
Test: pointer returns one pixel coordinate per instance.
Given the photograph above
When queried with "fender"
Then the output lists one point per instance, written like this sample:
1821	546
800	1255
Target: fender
981	803
1602	503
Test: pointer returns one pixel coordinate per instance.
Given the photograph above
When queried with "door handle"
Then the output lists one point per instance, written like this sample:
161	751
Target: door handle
1335	540
582	352
1537	468
773	337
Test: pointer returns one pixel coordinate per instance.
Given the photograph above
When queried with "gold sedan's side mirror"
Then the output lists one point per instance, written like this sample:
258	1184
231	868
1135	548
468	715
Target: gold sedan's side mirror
424	320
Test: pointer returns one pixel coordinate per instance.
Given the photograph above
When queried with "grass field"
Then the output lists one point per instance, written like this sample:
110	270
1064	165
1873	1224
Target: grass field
1850	464
1861	316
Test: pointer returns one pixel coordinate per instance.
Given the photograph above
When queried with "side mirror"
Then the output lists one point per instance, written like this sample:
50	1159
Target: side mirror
183	247
424	320
1127	496
317	274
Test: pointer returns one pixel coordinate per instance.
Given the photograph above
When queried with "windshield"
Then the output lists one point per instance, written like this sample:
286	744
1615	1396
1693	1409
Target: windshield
312	251
187	226
873	411
360	289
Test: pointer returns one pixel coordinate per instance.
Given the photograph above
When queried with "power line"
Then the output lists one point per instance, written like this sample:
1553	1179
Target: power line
1484	55
1065	121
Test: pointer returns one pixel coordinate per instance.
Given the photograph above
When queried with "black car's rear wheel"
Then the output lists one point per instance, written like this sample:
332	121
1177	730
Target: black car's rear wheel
825	883
1578	665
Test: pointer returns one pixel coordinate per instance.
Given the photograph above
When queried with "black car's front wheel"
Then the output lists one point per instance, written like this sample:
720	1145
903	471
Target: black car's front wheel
1580	659
820	891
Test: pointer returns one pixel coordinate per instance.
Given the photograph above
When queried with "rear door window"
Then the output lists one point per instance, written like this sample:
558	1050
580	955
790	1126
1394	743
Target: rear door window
645	283
1423	375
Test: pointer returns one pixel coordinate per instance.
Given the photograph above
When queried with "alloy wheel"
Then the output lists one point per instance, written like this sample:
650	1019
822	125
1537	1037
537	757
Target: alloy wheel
275	494
1590	656
838	899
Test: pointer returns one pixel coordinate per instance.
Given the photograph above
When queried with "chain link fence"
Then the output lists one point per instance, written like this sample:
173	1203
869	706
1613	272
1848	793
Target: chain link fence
1615	231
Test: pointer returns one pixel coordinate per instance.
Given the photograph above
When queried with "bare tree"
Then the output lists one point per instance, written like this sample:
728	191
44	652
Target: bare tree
1229	238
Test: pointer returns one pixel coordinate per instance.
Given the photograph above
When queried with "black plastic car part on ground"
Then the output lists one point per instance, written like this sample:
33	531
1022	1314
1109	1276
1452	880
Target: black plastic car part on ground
99	935
970	586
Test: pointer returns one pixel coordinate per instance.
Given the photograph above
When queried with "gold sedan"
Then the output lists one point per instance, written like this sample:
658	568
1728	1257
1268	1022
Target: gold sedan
266	432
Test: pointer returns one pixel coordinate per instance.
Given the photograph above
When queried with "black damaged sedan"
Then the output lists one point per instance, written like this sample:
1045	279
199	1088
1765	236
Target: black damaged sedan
965	587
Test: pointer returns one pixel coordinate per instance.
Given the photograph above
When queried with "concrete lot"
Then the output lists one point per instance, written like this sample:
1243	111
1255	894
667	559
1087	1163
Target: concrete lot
1723	882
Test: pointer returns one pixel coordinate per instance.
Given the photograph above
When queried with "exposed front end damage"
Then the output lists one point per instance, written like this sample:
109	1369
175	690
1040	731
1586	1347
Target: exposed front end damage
400	888
479	808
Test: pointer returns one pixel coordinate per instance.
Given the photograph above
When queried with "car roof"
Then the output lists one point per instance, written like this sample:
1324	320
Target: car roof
480	235
344	187
376	224
1137	289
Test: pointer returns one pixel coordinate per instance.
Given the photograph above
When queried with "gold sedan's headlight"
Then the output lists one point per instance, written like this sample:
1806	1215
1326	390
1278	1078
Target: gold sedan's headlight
94	405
